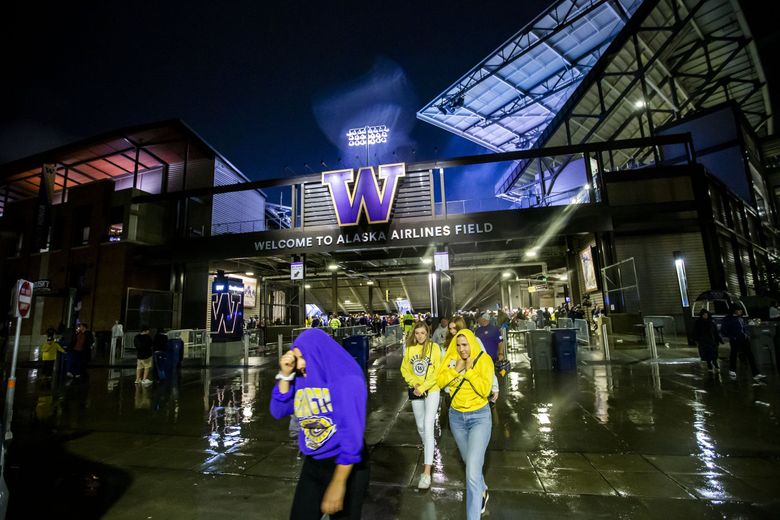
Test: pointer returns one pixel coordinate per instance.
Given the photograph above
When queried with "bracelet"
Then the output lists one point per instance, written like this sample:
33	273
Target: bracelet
282	377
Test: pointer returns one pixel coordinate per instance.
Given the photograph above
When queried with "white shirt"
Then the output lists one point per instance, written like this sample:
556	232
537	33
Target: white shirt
117	331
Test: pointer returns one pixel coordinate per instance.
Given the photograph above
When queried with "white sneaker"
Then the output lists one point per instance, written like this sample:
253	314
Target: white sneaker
485	497
146	382
137	381
759	377
732	374
425	481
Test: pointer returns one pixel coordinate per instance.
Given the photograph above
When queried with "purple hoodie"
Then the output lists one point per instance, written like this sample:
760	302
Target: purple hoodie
329	403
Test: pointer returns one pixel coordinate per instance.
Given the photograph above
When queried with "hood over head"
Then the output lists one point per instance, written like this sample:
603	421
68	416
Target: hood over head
452	349
324	357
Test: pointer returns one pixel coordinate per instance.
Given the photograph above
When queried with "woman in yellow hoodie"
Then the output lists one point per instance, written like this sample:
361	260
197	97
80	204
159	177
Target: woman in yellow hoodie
420	368
468	373
49	351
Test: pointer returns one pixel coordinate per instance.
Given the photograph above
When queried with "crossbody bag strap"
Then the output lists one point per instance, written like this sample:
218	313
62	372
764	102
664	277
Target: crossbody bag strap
464	379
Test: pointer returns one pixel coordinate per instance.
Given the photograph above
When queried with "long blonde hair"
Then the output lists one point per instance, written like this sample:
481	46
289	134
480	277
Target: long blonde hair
410	339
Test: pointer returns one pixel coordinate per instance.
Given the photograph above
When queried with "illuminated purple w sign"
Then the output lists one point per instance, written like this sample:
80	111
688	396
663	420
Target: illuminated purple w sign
366	194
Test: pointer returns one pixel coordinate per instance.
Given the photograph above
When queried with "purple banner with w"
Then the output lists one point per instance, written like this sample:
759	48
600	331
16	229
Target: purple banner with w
366	194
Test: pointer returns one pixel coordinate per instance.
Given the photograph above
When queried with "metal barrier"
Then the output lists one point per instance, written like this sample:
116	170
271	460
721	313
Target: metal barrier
393	334
296	332
194	341
344	332
526	325
515	339
583	331
565	323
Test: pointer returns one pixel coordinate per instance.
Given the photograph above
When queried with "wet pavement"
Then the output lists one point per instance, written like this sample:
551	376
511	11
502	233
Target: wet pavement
625	439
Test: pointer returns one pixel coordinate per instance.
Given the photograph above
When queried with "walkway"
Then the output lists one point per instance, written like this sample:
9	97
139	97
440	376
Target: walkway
629	439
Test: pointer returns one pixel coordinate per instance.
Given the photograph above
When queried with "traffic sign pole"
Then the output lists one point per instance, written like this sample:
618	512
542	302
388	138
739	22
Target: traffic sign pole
11	388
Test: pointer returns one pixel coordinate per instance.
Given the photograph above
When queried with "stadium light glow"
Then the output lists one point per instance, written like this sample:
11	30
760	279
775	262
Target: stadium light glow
368	135
333	267
307	286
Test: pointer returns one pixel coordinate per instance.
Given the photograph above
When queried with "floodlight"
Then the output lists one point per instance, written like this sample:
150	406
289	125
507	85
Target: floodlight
333	267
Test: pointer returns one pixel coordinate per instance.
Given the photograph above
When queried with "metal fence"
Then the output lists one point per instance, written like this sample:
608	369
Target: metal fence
583	331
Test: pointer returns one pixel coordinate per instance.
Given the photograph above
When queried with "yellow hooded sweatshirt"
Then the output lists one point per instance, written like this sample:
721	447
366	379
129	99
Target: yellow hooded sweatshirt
476	381
421	366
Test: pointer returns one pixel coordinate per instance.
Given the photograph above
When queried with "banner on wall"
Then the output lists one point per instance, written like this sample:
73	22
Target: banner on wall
588	269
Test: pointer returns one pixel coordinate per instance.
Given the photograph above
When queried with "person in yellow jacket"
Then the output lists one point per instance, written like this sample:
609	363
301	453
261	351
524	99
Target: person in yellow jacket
49	351
420	369
468	373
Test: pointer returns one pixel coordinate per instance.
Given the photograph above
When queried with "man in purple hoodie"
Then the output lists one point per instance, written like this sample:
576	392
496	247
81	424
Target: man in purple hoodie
325	388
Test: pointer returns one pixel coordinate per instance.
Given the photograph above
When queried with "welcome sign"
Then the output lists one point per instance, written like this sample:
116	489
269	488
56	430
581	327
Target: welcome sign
365	196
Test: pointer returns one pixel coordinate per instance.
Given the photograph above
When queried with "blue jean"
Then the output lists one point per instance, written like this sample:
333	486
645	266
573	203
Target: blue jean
472	434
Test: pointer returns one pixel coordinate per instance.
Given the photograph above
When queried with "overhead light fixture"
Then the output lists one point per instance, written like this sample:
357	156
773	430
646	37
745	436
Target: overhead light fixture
531	253
347	301
427	260
563	277
249	273
640	104
307	286
506	274
333	267
370	282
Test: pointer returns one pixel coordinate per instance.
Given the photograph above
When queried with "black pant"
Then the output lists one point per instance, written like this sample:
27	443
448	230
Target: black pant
314	480
741	346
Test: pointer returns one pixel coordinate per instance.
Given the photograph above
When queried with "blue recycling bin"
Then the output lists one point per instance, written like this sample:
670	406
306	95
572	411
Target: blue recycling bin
357	346
565	348
161	365
175	353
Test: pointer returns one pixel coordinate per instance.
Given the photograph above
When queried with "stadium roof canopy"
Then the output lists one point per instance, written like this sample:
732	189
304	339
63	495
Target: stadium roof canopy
600	70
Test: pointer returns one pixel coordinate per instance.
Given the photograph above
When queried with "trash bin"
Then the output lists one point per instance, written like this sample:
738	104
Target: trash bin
161	365
565	348
762	343
175	353
539	346
357	346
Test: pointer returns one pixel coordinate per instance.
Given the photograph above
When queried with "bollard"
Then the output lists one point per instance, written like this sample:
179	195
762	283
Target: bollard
245	339
208	349
605	341
651	340
280	340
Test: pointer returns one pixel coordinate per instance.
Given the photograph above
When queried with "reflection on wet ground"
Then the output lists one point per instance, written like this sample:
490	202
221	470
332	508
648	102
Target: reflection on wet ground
629	439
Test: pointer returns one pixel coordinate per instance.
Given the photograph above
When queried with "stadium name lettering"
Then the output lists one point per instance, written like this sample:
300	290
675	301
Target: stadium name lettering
375	237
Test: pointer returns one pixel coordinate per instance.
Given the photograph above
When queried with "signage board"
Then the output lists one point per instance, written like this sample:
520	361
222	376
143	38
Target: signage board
23	299
366	197
296	271
441	260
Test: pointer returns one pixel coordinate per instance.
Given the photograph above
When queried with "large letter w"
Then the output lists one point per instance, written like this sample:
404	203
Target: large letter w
366	195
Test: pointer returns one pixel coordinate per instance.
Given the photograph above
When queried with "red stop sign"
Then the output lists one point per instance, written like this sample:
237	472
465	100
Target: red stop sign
24	299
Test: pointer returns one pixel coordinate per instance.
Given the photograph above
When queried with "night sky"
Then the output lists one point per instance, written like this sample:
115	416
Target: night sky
269	85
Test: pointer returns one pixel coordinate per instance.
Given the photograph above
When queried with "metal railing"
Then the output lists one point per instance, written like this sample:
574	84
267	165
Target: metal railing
583	331
393	334
195	342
